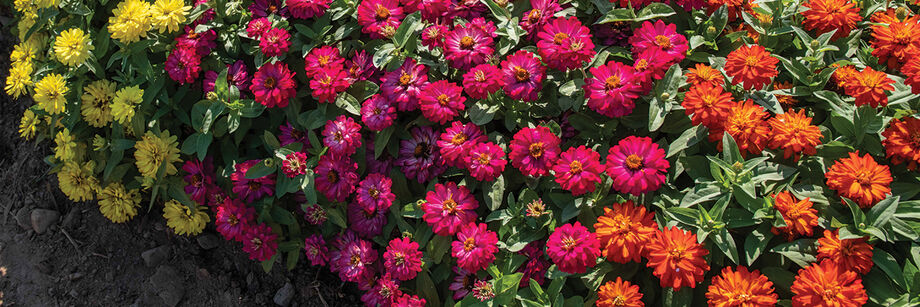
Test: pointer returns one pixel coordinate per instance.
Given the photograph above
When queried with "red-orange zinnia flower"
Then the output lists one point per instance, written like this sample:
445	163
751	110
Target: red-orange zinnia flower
825	284
895	43
747	124
827	15
752	65
843	75
849	254
911	71
741	288
703	73
677	258
619	293
887	16
624	230
794	133
785	100
799	216
709	105
902	141
860	179
868	87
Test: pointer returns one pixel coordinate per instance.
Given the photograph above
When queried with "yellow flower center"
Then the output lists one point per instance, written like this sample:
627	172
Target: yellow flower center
449	205
466	42
521	74
382	12
484	158
575	167
443	99
469	244
404	79
634	162
536	149
323	60
612	82
663	42
568	243
458	138
559	38
374	193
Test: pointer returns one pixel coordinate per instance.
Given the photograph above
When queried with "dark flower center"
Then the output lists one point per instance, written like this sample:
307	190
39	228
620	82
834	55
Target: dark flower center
332	176
521	74
421	150
536	149
269	82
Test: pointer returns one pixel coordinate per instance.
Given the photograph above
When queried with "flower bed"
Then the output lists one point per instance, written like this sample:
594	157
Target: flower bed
502	153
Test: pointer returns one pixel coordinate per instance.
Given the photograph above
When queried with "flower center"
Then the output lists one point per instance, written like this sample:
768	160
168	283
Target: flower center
568	243
521	74
332	176
863	177
337	136
466	42
458	138
421	150
751	61
612	82
536	149
742	297
676	253
256	242
323	60
830	295
374	193
663	42
269	82
642	64
404	79
443	99
449	205
232	220
469	244
619	301
534	16
575	167
634	162
559	38
254	185
382	13
484	158
355	260
480	76
399	258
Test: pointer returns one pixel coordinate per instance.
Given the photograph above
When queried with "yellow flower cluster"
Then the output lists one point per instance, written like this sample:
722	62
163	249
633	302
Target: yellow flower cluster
119	204
77	181
125	101
65	148
50	92
72	47
185	220
130	20
28	124
168	15
153	150
97	103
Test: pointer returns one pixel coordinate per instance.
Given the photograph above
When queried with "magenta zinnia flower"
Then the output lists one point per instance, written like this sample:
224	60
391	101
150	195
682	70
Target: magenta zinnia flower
315	248
565	44
367	224
462	284
475	247
419	157
251	189
327	85
534	19
183	65
405	84
467	46
385	292
486	161
379	18
523	76
469	9
275	42
449	207
433	36
264	8
578	170
342	136
360	67
536	265
354	260
402	259
374	193
534	150
637	165
202	42
232	219
377	113
457	141
257	27
273	85
661	36
441	101
650	65
314	214
260	242
612	89
289	135
325	58
573	248
236	75
336	177
305	9
482	80
200	179
294	164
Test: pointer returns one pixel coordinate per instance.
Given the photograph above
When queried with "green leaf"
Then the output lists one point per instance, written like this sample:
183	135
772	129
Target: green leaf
730	149
406	29
678	298
859	218
380	142
883	211
801	252
282	216
686	139
888	264
197	143
755	243
494	192
260	170
482	112
654	10
348	103
726	243
426	288
618	15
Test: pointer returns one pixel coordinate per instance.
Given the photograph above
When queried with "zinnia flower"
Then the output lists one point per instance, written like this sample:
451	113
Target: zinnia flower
72	47
184	220
366	224
565	44
612	89
637	165
321	59
794	133
824	16
306	9
315	248
578	170
573	248
354	260
257	27
467	46
661	36
798	215
475	247
260	242
419	157
752	65
523	76
709	105
50	93
486	161
539	15
482	80
619	293
274	42
849	254
118	204
125	100
19	79
826	284
294	164
251	189
457	141
860	179
233	218
183	65
273	85
441	101
289	136
404	85
402	259
379	18
77	182
704	74
129	20
374	193
336	177
200	179
97	99
28	124
153	150
677	258
342	136
65	147
167	15
449	207
433	36
868	87
895	43
377	113
265	8
624	230
534	150
462	284
747	124
741	287
902	141
384	293
236	76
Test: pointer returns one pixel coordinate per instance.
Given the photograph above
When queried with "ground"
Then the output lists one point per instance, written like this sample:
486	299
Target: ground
83	258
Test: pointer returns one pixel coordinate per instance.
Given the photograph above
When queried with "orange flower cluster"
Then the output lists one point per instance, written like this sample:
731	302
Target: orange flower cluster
705	74
849	254
619	293
741	288
677	258
747	124
860	178
624	230
827	15
895	43
826	284
799	216
751	65
902	141
794	133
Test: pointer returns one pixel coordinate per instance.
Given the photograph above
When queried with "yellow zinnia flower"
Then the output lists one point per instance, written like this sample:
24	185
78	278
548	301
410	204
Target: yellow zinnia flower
42	4
97	100
152	151
65	149
169	14
130	20
49	93
28	124
183	219
77	181
99	143
23	6
72	47
117	204
23	53
125	101
19	80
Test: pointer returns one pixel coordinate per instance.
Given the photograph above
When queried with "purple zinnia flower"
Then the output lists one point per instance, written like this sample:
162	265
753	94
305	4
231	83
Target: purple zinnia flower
360	67
380	165
419	157
251	189
523	76
236	75
342	136
377	113
462	284
385	291
200	179
366	224
403	85
336	177
314	214
354	260
315	248
457	141
374	193
263	8
289	135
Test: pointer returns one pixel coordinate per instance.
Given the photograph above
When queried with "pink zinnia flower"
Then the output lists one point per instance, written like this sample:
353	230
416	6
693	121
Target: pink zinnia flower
405	84
523	76
327	85
232	219
314	214
342	136
469	9
435	11
419	157
573	248
273	85
379	18
183	65
336	177
649	66
354	260
457	141
536	265
402	259
534	151
385	292
289	135
448	208
374	193
612	90
251	189
534	19
405	300
200	179
486	161
294	164
360	67
467	46
475	247
305	9
482	80
260	242
257	27
433	36
462	284
236	75
637	165
441	101
322	59
202	42
315	248
275	42
367	224
565	44
578	170
661	36
377	113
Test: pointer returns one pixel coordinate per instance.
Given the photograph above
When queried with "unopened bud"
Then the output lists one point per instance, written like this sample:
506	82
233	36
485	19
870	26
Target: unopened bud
211	96
901	13
711	30
387	31
815	43
665	96
737	166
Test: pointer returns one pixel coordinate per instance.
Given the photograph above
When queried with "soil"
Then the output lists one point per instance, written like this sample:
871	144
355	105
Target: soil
84	259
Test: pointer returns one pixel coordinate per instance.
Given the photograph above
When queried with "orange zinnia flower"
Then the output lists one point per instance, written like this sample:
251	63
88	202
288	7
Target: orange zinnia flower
703	73
860	179
709	105
825	284
868	87
827	15
624	231
735	7
799	216
741	288
747	124
843	75
785	100
895	43
849	254
794	133
752	65
911	70
677	258
619	293
902	141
